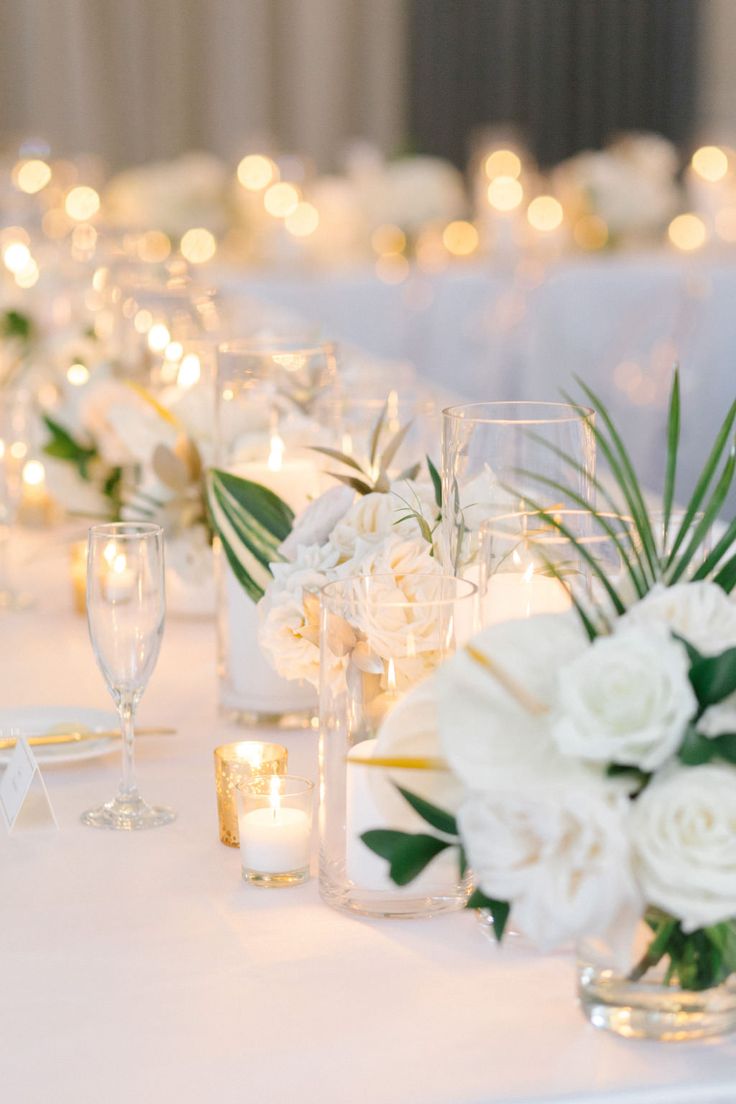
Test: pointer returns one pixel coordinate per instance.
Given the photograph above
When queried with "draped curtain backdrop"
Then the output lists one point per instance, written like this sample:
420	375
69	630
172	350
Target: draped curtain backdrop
139	79
569	73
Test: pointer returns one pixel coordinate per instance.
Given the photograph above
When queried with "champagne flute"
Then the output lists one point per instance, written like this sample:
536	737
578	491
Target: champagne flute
125	612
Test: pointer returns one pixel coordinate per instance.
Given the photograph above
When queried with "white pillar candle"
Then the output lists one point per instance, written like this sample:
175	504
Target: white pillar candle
274	840
511	595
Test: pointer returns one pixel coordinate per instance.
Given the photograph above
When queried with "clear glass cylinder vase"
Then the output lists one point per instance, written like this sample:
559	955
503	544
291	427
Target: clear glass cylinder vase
499	458
381	636
264	426
620	992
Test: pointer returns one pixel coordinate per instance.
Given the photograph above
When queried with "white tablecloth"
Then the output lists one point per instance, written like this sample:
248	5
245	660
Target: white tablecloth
618	321
140	967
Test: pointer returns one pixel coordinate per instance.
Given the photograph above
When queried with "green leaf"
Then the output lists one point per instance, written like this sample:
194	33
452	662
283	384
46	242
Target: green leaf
713	558
678	567
619	770
696	748
341	457
602	493
437	818
617	455
436	478
704	480
713	678
499	910
723	937
725	746
393	446
251	522
410	473
376	434
726	577
598	570
631	563
16	324
408	854
673	444
352	481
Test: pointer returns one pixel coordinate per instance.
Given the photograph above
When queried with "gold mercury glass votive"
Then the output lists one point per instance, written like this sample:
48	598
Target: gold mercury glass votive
78	568
237	763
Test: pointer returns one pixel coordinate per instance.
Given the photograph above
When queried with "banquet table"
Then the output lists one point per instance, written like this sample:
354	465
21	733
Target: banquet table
140	966
525	330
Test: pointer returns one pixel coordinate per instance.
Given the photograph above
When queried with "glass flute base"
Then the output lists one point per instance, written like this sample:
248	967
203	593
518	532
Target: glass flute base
128	815
276	881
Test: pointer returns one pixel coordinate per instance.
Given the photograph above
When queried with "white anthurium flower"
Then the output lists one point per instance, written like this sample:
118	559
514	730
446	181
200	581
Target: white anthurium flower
495	727
626	699
701	612
124	426
683	834
557	849
316	523
410	730
75	494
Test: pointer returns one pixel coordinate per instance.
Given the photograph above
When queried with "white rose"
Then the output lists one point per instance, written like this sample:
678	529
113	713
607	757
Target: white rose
700	612
558	851
402	619
370	519
316	523
288	613
625	699
488	734
683	834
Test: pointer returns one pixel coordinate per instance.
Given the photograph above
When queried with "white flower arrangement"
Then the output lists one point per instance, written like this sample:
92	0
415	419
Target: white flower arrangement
596	749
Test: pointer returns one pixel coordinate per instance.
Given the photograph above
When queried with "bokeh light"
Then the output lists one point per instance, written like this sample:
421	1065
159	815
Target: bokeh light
388	239
505	193
590	232
82	203
281	199
77	374
687	232
545	213
710	162
31	176
198	245
256	172
460	238
303	220
502	162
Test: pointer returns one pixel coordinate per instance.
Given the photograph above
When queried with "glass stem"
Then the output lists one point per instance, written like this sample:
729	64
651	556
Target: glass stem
128	789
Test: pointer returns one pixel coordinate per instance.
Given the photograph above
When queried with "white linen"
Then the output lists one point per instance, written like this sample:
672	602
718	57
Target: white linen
142	967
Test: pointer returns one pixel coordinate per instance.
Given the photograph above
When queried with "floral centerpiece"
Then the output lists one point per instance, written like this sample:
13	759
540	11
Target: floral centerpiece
596	752
370	522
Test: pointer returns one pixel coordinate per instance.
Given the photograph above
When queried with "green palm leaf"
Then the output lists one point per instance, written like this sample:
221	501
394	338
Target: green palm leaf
710	514
673	443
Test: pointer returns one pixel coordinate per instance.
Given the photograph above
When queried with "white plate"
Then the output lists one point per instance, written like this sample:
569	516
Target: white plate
43	720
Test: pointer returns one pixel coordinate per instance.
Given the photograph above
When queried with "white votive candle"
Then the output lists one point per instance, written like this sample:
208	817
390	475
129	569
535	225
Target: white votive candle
511	595
274	841
275	827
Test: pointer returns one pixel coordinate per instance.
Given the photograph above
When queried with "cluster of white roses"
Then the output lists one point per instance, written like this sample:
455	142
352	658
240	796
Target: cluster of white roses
532	731
341	535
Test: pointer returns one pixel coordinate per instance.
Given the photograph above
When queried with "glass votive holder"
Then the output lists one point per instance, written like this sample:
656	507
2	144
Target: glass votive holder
236	764
275	822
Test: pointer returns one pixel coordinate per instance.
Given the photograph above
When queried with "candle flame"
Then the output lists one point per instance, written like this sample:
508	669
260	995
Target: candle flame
391	674
276	455
528	573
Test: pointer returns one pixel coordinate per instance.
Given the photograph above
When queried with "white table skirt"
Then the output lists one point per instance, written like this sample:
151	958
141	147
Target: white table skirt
618	321
140	967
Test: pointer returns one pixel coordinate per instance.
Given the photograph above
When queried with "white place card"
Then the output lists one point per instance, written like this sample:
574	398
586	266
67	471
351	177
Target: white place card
24	799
